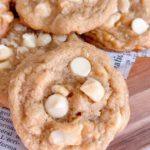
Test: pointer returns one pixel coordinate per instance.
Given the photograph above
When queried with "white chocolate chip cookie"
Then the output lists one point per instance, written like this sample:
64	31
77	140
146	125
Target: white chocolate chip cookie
56	105
17	45
127	29
65	16
6	17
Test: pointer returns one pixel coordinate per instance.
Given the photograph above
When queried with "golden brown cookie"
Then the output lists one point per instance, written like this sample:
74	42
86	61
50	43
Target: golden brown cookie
17	45
127	29
6	17
68	98
63	16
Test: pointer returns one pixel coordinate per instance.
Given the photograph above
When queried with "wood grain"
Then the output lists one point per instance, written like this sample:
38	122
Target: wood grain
139	78
137	134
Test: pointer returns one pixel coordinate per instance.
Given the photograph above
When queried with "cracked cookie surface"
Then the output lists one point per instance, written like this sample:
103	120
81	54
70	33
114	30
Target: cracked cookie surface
68	98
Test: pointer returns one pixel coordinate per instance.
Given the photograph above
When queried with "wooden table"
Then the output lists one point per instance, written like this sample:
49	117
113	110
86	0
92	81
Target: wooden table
137	134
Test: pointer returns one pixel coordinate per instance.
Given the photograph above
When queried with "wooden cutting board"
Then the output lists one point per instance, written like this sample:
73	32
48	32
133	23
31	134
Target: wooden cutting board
137	134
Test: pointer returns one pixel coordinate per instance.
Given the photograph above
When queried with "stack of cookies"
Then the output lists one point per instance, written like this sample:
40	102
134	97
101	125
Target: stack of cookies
62	92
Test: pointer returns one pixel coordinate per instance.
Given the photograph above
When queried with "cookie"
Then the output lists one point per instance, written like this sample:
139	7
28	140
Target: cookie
17	45
127	29
63	17
68	98
6	17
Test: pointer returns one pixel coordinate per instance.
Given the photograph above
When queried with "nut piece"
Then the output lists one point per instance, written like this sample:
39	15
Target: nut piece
139	26
20	28
124	6
80	66
8	17
43	10
5	52
93	89
22	50
61	38
59	89
5	65
58	137
57	106
112	20
66	137
29	40
43	39
3	7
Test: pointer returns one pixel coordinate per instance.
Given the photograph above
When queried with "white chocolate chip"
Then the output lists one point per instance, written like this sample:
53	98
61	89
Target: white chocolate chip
57	106
5	52
8	17
59	89
67	137
3	7
139	26
124	6
43	9
29	40
61	38
93	89
112	20
5	65
57	137
43	39
80	66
